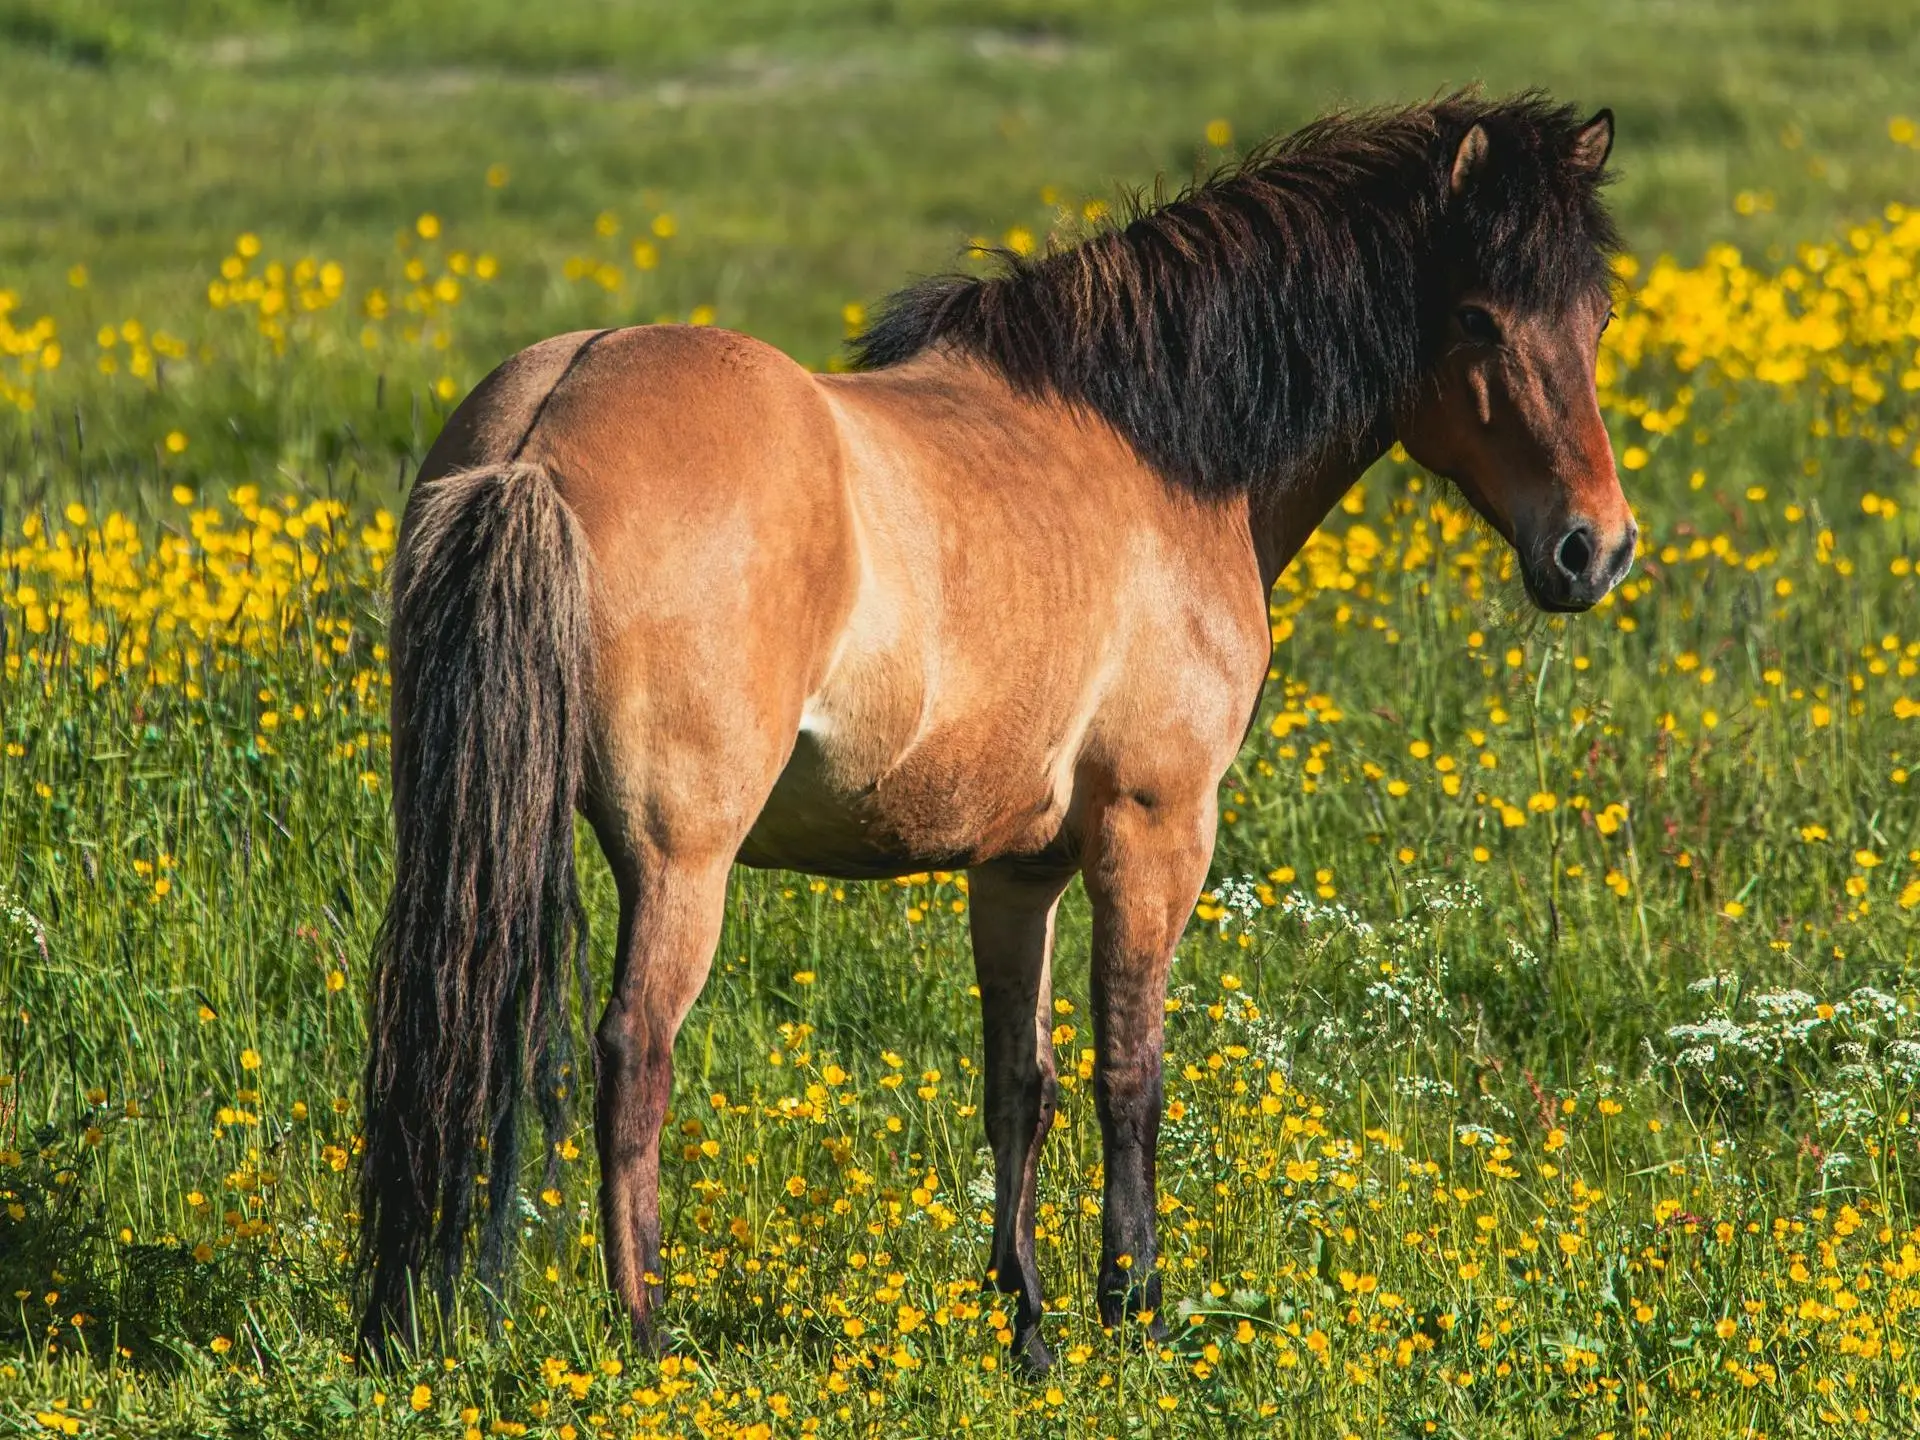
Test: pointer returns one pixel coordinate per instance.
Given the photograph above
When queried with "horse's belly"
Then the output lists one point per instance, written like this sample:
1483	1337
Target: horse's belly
937	807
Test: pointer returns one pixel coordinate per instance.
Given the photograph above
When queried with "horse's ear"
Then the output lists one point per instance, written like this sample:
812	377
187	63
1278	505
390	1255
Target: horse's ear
1594	142
1472	153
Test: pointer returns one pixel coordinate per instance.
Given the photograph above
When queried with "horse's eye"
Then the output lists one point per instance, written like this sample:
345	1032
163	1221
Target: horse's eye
1477	325
1605	321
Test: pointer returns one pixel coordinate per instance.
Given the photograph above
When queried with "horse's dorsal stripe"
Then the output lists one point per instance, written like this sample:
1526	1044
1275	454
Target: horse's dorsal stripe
533	422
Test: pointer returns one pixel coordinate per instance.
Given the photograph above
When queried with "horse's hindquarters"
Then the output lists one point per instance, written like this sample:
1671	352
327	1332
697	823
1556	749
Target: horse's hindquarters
707	478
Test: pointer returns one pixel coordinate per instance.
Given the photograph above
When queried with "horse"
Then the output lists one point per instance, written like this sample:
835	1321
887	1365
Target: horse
995	599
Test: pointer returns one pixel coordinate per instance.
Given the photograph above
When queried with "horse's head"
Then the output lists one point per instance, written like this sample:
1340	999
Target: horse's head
1508	409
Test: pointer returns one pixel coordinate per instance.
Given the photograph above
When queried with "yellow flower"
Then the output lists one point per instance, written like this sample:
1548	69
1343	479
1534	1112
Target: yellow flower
422	1396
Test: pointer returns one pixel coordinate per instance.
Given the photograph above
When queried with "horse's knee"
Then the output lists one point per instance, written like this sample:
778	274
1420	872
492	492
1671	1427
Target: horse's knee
615	1046
1130	1094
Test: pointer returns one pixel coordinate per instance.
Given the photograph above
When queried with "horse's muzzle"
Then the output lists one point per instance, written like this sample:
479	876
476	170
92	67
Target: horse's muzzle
1576	568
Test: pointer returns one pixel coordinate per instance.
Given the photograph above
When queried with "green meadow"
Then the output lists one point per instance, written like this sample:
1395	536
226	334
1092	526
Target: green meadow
1543	1056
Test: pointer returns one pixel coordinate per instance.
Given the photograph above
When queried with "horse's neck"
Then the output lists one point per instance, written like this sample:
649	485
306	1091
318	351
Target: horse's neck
1283	516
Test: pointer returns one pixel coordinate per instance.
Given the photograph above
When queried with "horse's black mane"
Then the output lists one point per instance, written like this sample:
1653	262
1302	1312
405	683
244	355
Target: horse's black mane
1286	306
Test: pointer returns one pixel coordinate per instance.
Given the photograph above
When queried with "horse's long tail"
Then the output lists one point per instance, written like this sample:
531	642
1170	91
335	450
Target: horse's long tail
489	644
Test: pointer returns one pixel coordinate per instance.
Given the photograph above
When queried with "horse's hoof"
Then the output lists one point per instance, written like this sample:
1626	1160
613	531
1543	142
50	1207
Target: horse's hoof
388	1337
1030	1356
650	1340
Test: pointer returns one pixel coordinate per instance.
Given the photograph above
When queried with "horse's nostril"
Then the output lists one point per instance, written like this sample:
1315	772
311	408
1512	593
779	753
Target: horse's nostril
1576	552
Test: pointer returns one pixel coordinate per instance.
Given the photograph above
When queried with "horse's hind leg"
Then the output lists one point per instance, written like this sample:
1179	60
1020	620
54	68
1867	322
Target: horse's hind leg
1012	949
671	909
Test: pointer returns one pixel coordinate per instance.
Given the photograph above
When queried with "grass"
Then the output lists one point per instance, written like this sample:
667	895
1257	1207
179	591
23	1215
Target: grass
1544	1055
820	153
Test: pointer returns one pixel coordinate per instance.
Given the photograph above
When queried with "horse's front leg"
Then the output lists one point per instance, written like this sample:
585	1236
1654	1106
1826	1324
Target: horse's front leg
1146	860
1012	923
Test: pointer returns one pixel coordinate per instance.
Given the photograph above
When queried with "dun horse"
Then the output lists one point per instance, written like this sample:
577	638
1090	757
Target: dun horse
997	601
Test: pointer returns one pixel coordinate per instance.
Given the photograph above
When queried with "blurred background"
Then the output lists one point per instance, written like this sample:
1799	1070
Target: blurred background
816	152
